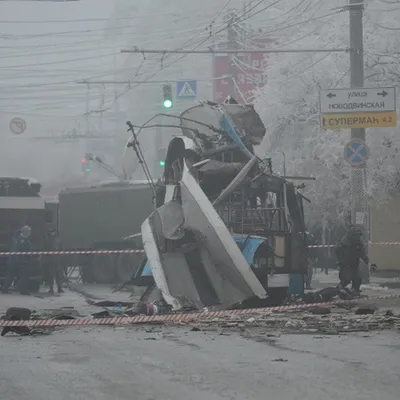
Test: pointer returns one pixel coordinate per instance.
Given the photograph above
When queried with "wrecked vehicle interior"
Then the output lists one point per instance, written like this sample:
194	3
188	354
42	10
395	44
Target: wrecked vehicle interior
226	229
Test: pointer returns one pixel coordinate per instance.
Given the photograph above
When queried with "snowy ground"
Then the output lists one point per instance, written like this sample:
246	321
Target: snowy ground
244	361
176	363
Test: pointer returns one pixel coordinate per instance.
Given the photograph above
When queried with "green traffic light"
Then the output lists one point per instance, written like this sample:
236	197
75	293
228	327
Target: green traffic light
167	103
162	163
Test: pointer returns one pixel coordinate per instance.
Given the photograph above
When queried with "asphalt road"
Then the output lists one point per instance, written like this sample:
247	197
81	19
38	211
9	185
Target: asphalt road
154	363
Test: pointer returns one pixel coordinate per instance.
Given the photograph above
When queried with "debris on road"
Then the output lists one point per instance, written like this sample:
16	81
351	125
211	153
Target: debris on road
366	309
21	314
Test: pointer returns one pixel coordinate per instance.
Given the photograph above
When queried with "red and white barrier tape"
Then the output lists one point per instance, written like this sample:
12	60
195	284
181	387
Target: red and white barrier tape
129	251
177	317
319	246
72	252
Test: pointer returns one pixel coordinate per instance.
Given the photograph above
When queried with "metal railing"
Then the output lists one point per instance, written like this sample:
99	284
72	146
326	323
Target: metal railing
253	220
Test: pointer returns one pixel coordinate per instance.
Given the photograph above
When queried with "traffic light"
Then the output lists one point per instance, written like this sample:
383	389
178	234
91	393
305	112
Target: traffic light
161	153
86	165
167	91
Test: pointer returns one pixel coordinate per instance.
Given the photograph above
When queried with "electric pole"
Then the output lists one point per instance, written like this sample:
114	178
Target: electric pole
356	53
232	46
358	175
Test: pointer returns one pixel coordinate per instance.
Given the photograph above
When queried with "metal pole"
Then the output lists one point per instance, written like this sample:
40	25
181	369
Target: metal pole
357	81
358	176
87	121
158	141
232	45
356	54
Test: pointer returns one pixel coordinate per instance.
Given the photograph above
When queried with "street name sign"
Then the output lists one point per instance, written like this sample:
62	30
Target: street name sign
339	101
356	152
359	120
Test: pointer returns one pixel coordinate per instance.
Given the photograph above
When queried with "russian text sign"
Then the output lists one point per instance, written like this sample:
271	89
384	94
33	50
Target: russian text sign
339	101
359	120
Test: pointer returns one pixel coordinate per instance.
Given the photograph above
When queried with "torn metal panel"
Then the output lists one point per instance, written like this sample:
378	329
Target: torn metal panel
203	268
201	216
246	123
239	179
155	260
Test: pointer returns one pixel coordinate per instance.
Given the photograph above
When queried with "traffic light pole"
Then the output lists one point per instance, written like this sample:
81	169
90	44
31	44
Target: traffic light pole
158	143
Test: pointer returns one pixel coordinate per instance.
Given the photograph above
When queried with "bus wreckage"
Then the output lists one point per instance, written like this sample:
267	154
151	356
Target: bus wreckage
226	230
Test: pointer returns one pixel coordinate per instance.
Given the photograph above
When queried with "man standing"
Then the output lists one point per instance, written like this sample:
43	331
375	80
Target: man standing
51	264
19	266
349	251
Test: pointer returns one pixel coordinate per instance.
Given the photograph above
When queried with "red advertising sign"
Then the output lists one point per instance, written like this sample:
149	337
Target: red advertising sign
249	73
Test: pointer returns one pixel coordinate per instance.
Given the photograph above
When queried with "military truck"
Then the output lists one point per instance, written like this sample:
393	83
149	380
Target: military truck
106	216
21	204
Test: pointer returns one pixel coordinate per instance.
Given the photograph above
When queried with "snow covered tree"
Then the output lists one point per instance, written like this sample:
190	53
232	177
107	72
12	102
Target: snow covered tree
289	102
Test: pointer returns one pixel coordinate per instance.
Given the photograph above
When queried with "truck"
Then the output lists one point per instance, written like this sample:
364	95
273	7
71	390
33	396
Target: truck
104	216
21	204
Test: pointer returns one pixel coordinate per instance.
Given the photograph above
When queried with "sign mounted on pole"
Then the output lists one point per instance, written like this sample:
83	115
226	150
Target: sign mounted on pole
358	108
359	120
356	152
339	101
17	126
186	89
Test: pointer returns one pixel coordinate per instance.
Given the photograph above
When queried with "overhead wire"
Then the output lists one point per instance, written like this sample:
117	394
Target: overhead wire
199	44
173	62
60	21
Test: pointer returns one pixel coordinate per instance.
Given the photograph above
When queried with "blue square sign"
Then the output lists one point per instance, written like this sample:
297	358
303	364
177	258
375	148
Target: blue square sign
186	89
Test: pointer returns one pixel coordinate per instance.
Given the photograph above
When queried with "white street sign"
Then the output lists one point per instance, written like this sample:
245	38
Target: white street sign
339	101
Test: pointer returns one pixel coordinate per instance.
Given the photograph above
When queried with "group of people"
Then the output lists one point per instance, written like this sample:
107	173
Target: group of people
20	268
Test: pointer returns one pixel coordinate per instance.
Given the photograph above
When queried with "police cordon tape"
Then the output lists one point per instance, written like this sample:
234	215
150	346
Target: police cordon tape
177	318
131	251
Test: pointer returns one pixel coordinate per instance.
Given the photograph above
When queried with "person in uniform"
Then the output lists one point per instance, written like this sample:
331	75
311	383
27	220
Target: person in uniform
52	270
19	266
349	251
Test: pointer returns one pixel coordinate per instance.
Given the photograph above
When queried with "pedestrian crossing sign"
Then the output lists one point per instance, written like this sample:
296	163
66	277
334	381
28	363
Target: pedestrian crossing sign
187	89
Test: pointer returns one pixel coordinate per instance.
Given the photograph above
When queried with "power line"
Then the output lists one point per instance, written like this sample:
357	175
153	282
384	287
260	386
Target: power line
64	61
60	21
238	51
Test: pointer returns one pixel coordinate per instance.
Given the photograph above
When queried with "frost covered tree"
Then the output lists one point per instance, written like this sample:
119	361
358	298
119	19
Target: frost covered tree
289	102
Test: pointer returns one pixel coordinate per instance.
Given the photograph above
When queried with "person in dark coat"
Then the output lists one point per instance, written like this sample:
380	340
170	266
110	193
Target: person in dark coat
349	251
52	269
19	266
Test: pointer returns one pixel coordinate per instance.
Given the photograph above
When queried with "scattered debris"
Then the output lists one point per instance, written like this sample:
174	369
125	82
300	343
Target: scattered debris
366	309
108	303
195	329
320	310
22	314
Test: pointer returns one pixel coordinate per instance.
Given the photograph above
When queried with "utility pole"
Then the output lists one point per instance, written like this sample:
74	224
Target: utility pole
232	46
87	120
356	53
358	175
